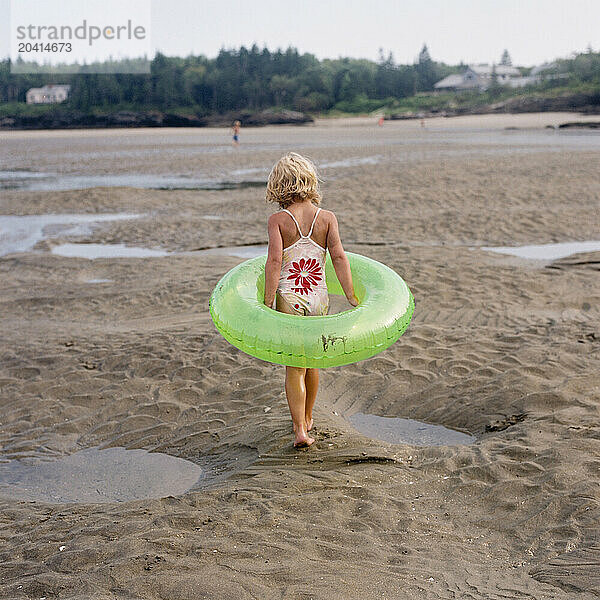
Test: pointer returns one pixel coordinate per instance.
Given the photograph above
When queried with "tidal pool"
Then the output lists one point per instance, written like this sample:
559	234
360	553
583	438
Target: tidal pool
22	233
546	251
94	475
92	251
52	182
407	431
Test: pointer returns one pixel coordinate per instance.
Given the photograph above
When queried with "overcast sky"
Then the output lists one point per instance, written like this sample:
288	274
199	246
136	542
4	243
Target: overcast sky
533	31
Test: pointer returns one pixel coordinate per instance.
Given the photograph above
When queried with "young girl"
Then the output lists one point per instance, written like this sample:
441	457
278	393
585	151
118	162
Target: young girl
295	269
236	132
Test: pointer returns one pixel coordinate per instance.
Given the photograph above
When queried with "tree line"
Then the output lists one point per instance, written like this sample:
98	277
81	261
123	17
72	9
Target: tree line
243	78
255	79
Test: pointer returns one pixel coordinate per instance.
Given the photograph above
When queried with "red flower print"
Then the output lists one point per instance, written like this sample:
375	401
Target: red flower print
305	274
301	290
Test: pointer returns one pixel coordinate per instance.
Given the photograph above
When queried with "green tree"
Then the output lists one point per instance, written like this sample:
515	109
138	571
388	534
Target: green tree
506	60
426	72
424	56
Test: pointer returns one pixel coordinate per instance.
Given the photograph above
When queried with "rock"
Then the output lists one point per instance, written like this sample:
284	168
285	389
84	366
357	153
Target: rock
400	116
179	120
280	117
420	115
265	117
580	125
579	102
65	118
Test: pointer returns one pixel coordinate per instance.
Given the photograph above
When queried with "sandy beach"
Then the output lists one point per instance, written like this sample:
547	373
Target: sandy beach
120	352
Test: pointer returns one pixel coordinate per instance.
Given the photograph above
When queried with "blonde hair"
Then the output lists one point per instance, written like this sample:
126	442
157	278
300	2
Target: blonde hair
292	178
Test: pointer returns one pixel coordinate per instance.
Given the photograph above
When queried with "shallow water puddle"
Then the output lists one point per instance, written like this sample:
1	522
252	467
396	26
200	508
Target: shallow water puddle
407	431
52	182
22	233
546	251
92	251
352	162
10	180
94	475
212	186
40	181
347	162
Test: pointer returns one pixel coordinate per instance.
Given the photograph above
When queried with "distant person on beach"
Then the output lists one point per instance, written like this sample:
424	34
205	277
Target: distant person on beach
380	122
236	133
295	269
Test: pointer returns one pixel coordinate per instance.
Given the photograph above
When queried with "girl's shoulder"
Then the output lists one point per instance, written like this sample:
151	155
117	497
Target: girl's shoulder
327	215
276	217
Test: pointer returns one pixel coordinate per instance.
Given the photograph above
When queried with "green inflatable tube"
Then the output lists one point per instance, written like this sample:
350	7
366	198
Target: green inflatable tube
385	308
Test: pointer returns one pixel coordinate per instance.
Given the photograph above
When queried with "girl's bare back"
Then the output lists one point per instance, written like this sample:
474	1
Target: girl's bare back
304	215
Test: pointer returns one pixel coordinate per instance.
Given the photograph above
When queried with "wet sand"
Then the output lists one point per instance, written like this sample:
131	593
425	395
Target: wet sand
502	348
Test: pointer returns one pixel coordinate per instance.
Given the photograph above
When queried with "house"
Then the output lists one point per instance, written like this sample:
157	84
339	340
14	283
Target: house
546	71
452	82
49	94
479	77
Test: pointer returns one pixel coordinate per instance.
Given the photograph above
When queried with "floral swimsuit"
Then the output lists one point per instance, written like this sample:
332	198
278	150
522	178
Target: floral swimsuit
302	281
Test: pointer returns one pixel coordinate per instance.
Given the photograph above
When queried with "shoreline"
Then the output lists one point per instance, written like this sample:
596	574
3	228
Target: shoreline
122	120
490	120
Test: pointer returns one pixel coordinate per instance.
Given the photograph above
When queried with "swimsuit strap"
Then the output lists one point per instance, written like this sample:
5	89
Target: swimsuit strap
313	223
293	217
298	226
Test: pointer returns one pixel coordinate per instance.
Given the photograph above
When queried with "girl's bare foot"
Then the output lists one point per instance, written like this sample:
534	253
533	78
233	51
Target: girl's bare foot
302	440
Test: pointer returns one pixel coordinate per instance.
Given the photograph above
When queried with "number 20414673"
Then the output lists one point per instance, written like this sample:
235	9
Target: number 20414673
40	47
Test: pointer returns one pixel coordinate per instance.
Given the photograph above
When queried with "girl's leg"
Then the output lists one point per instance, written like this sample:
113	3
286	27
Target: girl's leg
312	387
295	391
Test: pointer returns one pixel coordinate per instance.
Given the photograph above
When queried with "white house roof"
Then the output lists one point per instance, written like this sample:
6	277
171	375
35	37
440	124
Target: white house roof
49	87
500	70
453	80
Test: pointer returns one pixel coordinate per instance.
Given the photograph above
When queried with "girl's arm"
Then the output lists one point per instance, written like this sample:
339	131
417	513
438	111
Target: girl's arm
274	258
340	261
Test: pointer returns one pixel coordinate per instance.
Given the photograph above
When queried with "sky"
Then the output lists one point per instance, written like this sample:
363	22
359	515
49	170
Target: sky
471	31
